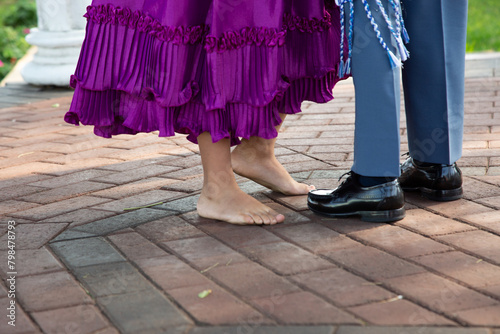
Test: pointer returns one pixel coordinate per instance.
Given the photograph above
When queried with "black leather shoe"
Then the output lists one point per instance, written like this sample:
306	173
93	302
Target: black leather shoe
434	181
379	204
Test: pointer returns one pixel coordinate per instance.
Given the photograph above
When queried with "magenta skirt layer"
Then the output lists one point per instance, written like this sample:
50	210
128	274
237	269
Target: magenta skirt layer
222	66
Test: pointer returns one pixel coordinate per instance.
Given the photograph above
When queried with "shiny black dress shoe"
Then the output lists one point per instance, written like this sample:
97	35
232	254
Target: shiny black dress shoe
382	203
434	181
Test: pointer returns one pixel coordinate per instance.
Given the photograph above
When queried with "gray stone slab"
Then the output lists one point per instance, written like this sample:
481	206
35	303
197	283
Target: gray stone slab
264	330
251	187
53	95
35	96
183	205
479	73
19	99
123	221
86	252
143	312
409	330
301	176
18	94
21	87
176	330
4	92
71	235
327	174
112	279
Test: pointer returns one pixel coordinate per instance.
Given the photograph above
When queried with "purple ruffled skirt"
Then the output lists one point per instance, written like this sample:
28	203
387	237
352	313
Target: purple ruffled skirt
227	67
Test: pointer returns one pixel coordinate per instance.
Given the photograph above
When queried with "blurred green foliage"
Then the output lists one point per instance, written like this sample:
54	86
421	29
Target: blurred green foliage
16	17
483	31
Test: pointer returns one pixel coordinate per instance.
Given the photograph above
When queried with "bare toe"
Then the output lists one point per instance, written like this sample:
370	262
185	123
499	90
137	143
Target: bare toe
276	217
267	218
258	220
237	207
248	219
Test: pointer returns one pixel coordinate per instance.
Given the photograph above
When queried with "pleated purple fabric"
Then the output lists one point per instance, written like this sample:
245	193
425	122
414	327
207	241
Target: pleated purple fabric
228	67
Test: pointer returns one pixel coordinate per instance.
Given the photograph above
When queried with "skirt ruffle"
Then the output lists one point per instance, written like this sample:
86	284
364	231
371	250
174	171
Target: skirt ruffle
136	74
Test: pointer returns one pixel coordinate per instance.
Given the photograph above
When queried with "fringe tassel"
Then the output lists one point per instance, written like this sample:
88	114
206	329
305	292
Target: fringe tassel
395	61
351	36
341	69
345	66
403	51
399	33
347	70
406	37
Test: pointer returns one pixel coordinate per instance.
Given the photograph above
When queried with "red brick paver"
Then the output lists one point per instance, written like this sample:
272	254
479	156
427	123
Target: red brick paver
399	312
43	292
77	319
440	266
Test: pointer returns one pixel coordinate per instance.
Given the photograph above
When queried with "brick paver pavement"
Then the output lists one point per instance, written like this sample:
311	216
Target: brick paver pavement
84	264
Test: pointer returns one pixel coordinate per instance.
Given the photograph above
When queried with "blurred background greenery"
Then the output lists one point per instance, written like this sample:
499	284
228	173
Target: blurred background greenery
17	16
483	31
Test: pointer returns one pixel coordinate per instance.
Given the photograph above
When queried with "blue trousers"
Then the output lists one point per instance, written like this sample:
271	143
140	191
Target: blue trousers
433	82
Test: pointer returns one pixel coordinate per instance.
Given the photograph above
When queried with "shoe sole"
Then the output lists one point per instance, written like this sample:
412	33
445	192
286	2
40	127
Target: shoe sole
438	195
387	216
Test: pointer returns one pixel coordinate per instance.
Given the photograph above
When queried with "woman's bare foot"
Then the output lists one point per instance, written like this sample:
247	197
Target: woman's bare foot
258	163
221	198
235	206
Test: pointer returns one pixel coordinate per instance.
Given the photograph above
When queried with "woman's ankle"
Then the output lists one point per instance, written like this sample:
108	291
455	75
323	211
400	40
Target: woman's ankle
216	188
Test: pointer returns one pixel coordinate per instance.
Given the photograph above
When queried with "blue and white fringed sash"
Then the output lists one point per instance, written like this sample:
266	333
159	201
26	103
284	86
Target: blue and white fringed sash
398	32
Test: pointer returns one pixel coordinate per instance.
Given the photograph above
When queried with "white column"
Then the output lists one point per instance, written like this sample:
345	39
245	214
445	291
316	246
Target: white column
58	38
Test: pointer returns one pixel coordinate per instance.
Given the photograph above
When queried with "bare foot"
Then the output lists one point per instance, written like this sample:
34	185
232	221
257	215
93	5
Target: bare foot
266	170
236	207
